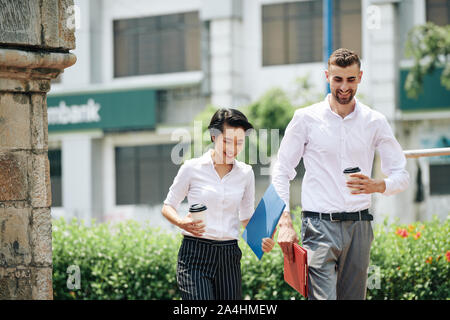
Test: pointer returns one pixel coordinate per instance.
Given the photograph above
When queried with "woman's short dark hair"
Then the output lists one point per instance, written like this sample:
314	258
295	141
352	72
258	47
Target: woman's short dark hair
231	117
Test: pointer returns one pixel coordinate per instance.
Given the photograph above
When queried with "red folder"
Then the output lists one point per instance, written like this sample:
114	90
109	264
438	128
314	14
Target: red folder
296	273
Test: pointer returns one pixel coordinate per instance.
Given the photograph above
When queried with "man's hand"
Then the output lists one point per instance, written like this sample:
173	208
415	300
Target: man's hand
366	185
287	235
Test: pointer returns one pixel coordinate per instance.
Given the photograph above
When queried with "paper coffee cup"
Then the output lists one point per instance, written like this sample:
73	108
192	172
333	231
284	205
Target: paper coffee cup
198	212
348	172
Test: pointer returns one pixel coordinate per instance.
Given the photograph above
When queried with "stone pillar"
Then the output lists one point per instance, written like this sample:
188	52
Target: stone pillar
35	39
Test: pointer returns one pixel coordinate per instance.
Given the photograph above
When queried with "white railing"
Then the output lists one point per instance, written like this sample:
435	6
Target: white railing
427	152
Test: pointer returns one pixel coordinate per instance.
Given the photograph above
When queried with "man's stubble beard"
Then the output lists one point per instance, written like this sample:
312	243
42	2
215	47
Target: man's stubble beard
342	101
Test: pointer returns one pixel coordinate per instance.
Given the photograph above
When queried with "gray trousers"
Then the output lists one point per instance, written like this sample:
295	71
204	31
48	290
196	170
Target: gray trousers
338	258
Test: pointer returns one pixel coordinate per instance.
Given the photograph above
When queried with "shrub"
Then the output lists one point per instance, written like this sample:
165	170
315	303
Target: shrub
124	261
130	261
414	260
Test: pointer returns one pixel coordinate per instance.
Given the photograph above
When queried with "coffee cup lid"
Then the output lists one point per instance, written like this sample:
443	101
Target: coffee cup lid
197	207
352	170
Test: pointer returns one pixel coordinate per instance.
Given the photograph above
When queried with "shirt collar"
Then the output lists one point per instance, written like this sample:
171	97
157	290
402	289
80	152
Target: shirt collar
206	157
350	116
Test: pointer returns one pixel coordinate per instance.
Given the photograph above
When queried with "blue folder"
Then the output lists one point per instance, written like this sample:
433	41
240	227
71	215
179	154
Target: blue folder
264	220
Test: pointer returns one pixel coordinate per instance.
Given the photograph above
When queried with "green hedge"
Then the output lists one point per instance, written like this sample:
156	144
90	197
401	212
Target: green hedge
124	261
414	260
130	261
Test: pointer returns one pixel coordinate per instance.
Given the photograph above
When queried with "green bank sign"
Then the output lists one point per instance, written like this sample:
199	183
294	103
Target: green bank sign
115	110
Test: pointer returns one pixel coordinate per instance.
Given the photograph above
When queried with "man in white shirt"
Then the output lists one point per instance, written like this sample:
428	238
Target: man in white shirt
330	136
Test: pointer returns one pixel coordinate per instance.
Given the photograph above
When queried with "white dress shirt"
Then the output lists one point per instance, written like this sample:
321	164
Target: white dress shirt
329	144
229	200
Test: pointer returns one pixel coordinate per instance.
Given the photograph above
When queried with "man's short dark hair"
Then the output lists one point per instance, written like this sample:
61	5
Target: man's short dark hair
231	117
343	58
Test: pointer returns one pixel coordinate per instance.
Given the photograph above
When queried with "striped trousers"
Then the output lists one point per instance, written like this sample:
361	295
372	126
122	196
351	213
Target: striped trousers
209	269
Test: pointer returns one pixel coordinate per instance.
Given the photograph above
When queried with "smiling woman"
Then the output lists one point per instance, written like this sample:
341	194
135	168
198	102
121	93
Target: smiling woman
209	257
228	128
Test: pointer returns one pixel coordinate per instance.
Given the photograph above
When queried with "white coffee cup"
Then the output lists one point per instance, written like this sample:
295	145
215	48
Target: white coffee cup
198	212
348	172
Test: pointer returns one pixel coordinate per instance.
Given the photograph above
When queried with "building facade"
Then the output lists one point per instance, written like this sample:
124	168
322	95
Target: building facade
146	68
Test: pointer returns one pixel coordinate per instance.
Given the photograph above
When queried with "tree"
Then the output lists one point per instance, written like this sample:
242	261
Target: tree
429	46
273	110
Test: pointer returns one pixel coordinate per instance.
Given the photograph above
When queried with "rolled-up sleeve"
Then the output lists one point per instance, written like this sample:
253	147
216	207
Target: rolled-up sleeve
247	205
291	151
179	188
393	160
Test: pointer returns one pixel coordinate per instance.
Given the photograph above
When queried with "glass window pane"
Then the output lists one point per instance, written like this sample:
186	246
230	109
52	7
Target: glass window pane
438	12
125	47
151	178
192	46
274	11
161	44
273	35
148	53
148	46
347	25
126	175
273	42
54	158
171	50
351	33
156	171
169	170
439	174
292	32
317	35
305	32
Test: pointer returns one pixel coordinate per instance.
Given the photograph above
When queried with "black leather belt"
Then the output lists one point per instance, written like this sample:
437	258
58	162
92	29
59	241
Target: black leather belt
362	215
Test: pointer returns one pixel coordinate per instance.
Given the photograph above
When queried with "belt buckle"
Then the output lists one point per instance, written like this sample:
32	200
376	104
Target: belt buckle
359	212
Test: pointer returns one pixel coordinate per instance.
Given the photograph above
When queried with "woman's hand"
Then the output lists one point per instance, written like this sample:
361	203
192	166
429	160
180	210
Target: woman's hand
196	228
267	244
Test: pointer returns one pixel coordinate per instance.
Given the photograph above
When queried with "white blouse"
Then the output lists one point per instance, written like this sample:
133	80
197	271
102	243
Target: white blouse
229	200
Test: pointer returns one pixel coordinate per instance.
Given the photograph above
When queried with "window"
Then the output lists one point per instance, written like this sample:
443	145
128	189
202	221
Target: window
54	157
144	174
347	25
438	12
160	44
439	179
171	101
292	32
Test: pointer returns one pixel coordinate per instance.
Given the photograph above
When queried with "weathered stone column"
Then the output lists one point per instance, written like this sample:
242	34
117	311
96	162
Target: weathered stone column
35	39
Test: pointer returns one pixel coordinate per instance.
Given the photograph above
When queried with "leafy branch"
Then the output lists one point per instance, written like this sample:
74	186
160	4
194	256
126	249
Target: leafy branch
429	46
